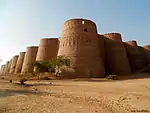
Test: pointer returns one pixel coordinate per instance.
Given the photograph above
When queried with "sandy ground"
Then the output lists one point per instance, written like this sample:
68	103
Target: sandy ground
76	96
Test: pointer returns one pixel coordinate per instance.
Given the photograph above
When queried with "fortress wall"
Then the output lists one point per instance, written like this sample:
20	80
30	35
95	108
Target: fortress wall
6	67
29	59
48	49
9	65
147	53
2	69
134	55
19	62
116	60
101	47
132	43
142	57
13	64
80	43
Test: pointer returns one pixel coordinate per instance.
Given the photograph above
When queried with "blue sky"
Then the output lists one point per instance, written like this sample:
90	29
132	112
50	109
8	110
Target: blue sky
24	22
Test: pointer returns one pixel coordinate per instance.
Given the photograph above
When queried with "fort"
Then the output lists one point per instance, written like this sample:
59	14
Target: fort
91	54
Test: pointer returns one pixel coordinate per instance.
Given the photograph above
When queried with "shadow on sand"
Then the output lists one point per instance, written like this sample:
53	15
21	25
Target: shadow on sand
36	84
13	92
119	78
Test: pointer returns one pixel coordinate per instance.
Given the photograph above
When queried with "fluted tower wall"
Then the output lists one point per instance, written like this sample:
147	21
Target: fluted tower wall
134	55
29	59
79	42
48	49
2	69
116	60
147	53
6	67
142	57
19	62
13	64
9	65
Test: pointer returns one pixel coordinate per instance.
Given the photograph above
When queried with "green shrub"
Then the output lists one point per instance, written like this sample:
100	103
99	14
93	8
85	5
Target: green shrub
23	80
112	77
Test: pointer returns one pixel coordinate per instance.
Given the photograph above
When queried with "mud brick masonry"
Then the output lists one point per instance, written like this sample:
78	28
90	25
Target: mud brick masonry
91	54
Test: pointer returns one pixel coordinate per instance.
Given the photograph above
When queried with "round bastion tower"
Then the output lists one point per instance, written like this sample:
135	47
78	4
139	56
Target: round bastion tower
29	59
116	60
48	49
147	53
80	43
13	64
19	62
134	55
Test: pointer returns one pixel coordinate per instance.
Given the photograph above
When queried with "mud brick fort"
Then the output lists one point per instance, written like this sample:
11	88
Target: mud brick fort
91	54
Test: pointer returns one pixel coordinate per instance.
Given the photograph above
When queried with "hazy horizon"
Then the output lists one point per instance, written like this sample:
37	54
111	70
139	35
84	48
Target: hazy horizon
24	22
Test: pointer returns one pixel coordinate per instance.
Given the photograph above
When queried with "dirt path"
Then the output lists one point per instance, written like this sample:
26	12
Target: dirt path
68	96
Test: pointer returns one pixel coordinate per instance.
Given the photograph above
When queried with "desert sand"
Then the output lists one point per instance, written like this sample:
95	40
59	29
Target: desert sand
76	96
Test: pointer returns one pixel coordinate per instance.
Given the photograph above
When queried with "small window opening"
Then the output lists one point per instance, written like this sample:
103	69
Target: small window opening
83	22
85	30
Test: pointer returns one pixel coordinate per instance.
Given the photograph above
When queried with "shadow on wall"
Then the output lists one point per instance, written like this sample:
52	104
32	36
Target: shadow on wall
136	55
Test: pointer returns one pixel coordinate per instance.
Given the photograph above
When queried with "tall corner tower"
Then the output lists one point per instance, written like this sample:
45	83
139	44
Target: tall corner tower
79	42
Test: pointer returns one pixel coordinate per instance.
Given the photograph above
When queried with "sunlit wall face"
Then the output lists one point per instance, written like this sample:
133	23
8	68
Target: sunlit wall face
24	22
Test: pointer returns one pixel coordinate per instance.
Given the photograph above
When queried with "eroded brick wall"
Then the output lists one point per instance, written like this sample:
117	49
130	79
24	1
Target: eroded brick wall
48	49
116	60
79	41
29	59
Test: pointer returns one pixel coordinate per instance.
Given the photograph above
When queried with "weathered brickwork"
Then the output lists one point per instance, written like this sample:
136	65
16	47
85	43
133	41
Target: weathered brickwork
92	54
116	60
13	64
147	53
134	55
79	41
29	59
19	62
48	49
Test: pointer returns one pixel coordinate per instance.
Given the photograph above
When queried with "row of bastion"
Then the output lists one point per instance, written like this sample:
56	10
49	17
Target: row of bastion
91	54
